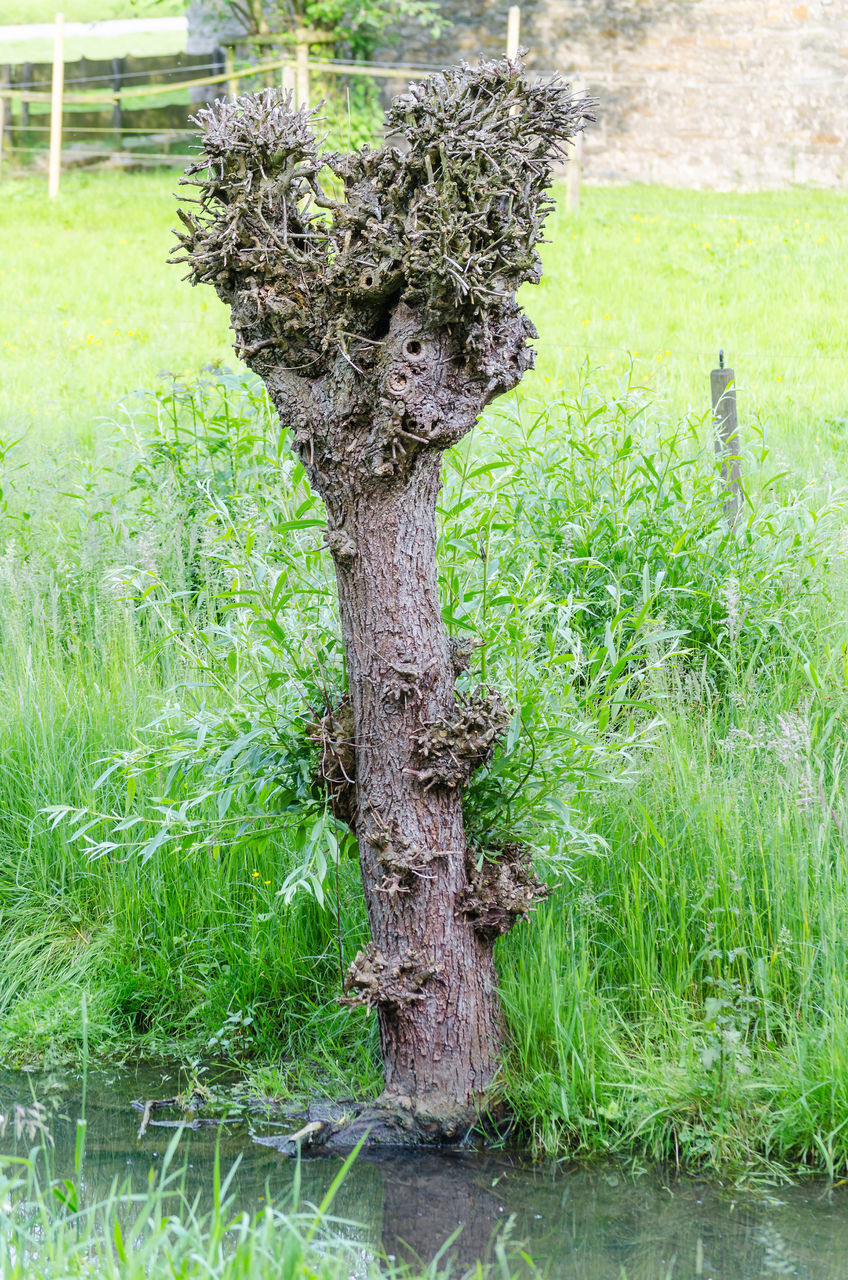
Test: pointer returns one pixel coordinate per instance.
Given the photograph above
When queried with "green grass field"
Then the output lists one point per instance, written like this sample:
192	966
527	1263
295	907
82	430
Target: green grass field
140	44
23	12
119	317
658	278
683	994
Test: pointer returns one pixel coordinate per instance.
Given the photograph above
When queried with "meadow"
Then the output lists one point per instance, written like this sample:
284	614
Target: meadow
647	277
39	48
679	687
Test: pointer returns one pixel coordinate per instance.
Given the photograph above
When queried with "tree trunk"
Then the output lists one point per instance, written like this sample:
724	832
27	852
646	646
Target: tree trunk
382	324
428	972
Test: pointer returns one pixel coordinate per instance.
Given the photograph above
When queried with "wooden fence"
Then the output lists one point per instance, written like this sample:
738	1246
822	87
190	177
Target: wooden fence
137	110
127	108
94	95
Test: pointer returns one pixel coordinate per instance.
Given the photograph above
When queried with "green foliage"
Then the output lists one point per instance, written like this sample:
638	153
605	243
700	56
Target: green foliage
208	578
351	117
622	521
588	549
691	997
85	658
683	994
357	29
37	11
227	764
361	28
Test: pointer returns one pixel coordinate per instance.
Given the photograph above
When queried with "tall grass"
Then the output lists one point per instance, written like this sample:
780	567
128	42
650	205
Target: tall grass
676	752
692	1000
675	760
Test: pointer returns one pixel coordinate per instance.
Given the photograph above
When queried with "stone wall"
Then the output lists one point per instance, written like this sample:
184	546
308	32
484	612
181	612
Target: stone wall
701	93
209	23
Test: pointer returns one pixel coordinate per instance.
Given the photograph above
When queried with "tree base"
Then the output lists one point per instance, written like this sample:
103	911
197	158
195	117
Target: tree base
386	1124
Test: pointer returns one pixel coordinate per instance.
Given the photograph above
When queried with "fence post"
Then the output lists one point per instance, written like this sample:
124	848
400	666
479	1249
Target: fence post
287	79
513	30
230	66
302	74
219	64
574	164
5	109
26	83
726	437
55	161
572	174
117	77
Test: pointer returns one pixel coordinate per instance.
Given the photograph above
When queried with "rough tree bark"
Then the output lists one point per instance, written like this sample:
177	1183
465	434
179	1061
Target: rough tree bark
382	323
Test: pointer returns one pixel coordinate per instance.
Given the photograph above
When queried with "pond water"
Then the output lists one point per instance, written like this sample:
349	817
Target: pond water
578	1223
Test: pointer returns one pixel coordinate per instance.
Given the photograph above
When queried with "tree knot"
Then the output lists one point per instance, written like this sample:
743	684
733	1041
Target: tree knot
333	734
404	862
461	650
341	545
501	890
451	748
373	980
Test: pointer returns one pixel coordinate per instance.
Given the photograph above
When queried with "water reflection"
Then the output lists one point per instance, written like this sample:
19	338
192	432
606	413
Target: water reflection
578	1224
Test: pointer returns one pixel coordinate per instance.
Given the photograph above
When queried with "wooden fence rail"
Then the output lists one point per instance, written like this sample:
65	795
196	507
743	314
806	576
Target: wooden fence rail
115	90
389	71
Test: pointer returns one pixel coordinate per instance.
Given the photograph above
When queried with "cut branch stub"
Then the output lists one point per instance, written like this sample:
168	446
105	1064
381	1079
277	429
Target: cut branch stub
451	748
373	980
504	888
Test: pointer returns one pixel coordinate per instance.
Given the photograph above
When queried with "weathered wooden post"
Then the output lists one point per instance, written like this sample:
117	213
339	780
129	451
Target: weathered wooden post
55	160
726	437
572	181
513	31
301	53
287	79
26	83
575	163
117	77
230	66
5	105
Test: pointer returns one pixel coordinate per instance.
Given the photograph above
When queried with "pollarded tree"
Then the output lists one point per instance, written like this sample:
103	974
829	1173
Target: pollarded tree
374	294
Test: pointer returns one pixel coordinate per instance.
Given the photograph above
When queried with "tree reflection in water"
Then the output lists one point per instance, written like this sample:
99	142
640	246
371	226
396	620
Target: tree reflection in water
595	1223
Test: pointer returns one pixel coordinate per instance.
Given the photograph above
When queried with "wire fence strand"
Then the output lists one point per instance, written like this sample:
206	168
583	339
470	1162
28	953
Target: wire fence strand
126	76
591	80
130	89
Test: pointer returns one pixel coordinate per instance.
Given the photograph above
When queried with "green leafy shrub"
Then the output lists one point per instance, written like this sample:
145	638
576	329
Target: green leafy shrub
623	519
584	552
